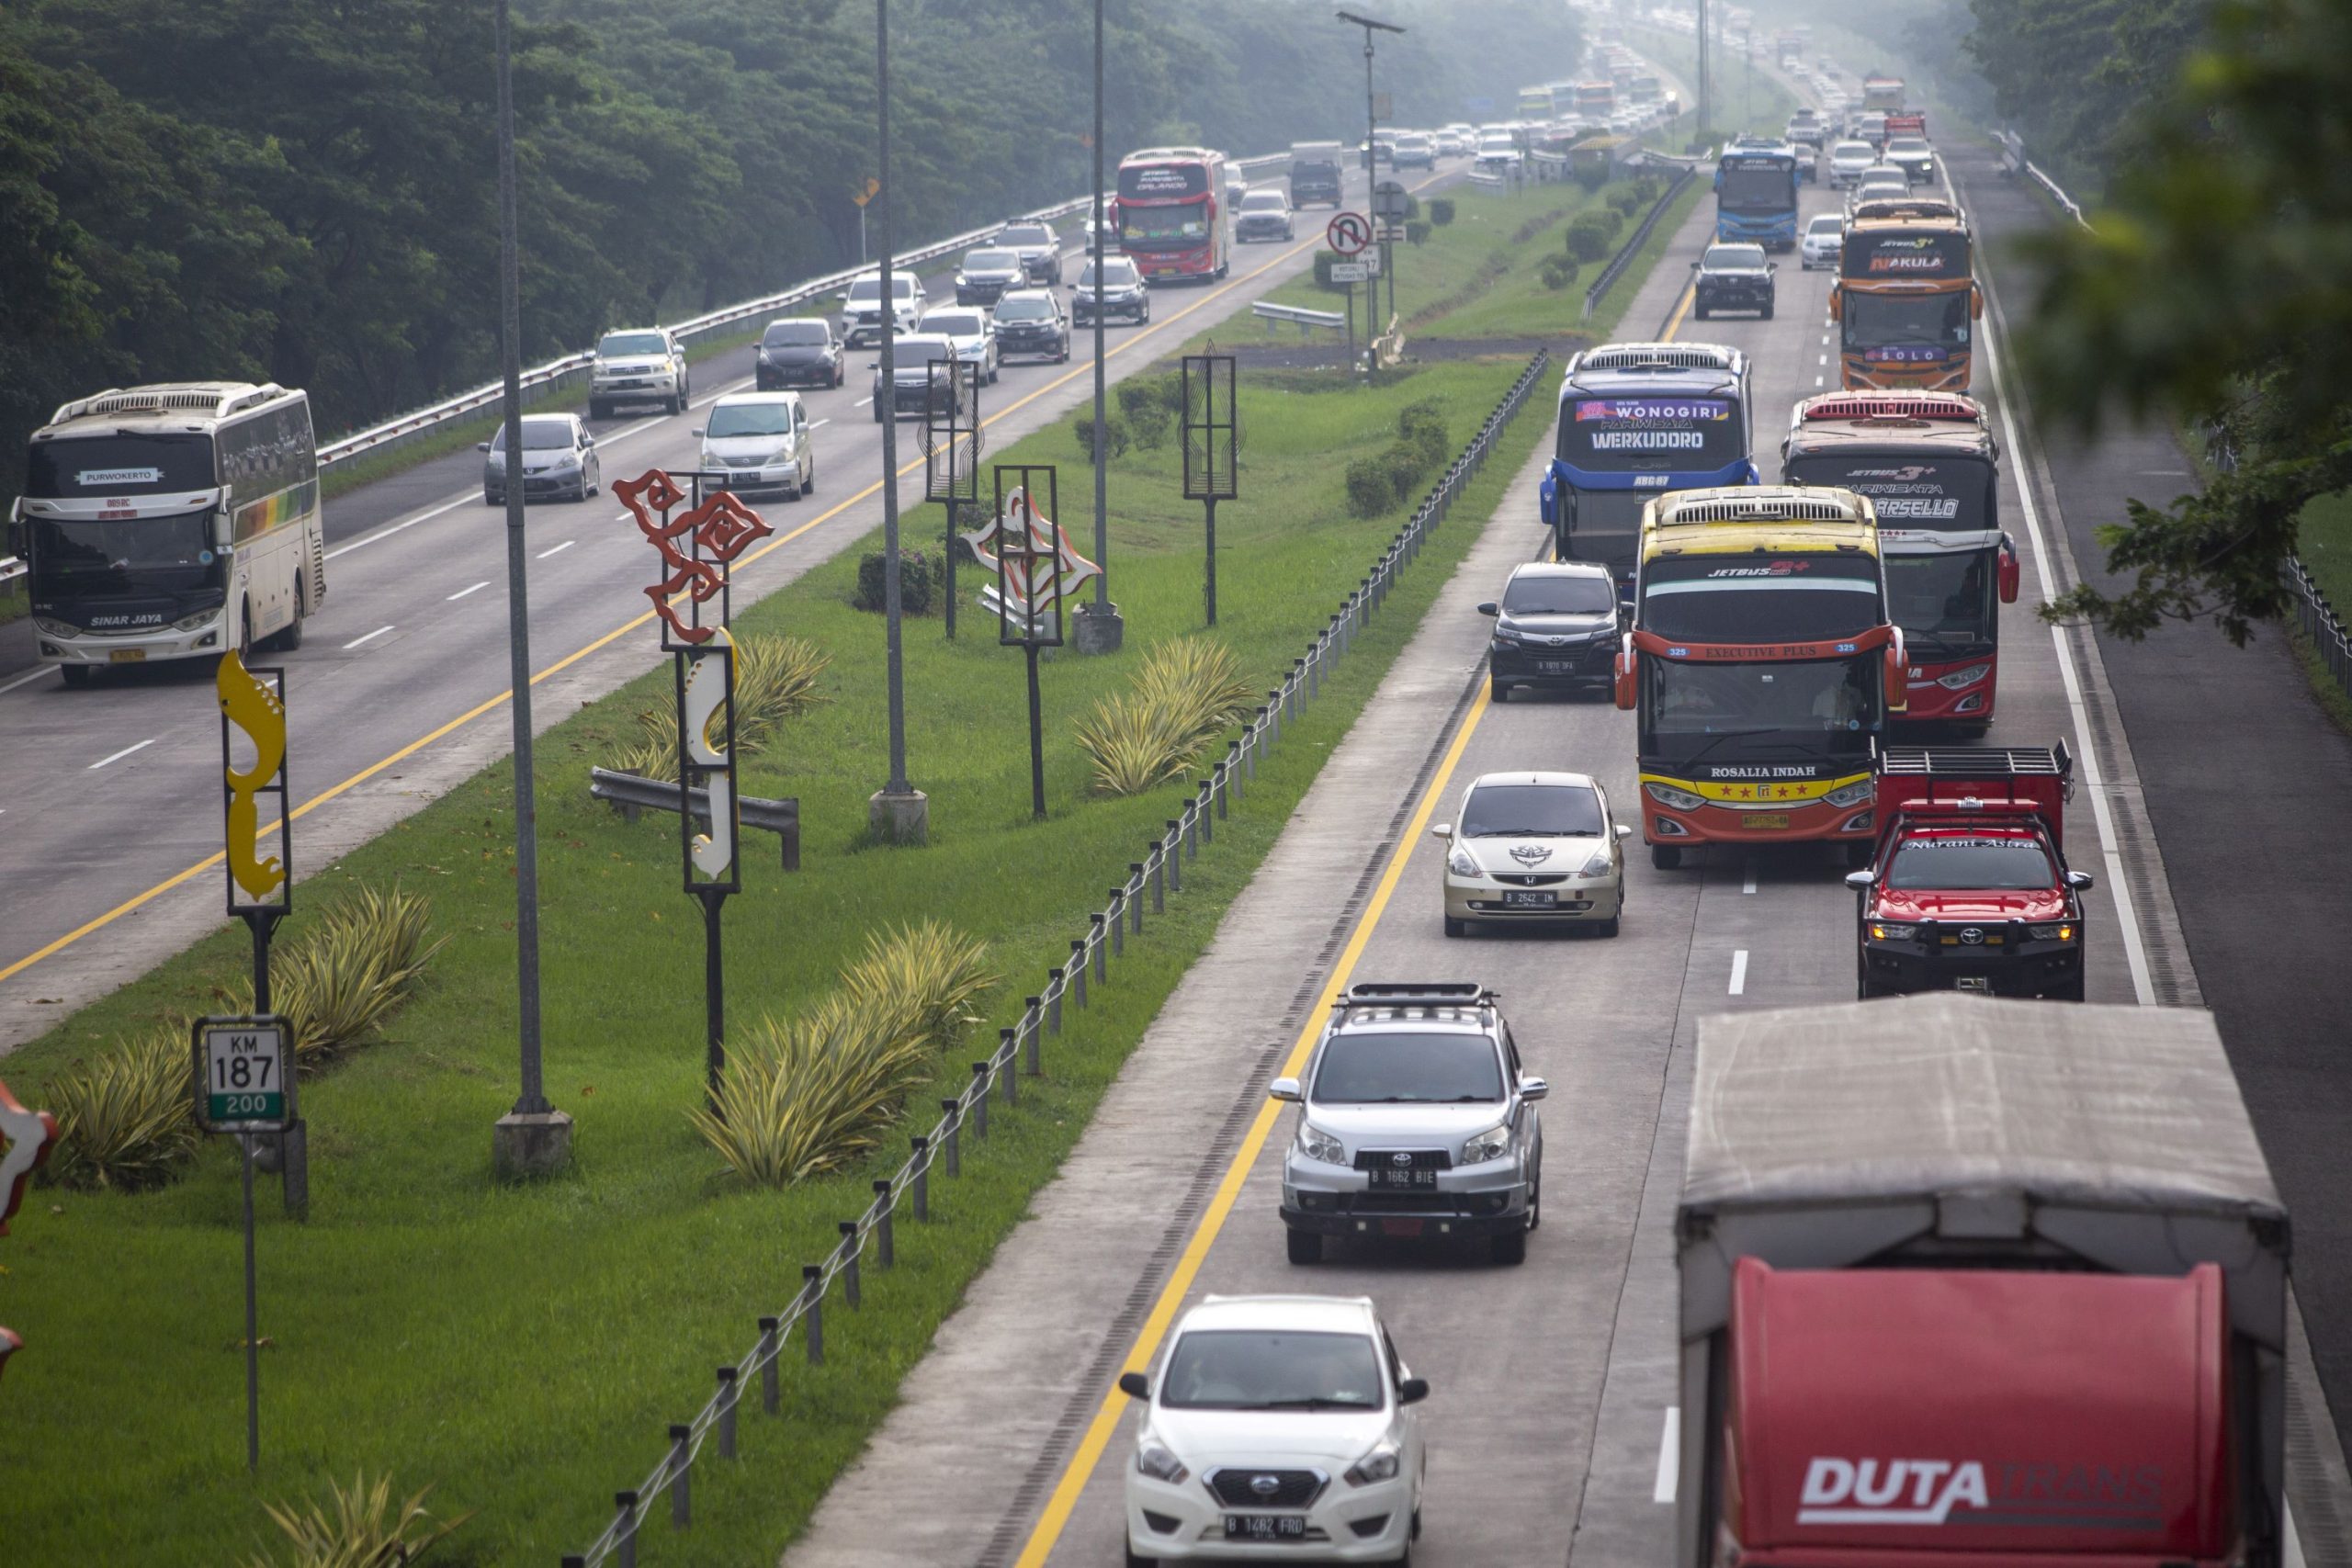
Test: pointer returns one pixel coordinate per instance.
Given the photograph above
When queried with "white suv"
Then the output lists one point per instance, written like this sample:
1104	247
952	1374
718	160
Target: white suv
1278	1425
862	310
643	365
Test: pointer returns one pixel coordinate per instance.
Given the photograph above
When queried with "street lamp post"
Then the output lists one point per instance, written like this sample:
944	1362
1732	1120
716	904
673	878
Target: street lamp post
1099	627
534	1137
897	813
1372	173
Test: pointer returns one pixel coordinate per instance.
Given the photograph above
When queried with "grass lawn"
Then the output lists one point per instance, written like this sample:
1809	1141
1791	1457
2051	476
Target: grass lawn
522	1348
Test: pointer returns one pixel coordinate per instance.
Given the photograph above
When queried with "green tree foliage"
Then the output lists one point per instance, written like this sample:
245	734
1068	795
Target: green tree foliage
305	190
2075	76
2211	288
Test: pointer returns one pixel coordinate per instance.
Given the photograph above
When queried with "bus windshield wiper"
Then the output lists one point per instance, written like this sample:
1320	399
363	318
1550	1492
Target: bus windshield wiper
1718	738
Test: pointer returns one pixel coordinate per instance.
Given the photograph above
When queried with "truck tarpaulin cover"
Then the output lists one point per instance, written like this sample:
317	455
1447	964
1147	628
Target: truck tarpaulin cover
2023	1415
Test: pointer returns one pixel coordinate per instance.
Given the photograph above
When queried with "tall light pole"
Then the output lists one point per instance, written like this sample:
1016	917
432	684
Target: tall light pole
1703	124
1099	627
534	1136
1372	172
898	813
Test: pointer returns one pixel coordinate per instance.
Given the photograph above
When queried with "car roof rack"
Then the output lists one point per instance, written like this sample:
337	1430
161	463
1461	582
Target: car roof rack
1401	994
1978	762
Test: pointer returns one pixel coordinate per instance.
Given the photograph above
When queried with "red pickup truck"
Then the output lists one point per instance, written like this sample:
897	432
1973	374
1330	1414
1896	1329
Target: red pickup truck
1969	889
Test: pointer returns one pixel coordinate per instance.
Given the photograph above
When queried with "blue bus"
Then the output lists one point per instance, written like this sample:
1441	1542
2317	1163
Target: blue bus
1638	420
1756	192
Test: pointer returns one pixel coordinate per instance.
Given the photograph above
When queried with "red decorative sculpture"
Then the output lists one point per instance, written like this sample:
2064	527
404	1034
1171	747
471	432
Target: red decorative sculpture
720	528
29	1136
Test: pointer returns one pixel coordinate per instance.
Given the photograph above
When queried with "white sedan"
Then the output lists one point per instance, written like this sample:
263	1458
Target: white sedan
1279	1426
969	331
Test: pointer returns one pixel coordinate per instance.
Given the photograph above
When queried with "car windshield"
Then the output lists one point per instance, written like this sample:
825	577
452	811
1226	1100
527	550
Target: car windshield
1114	275
1855	152
954	323
1235	1369
1530	811
1734	258
1989	865
1545	593
749	419
1262	201
991	261
915	350
539	435
901	288
1377	1068
617	344
1828	224
1024	311
1026	234
1906	144
797	334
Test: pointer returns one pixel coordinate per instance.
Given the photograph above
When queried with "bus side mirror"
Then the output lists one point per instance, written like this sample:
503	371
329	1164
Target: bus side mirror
1976	302
1896	674
1622	686
1836	302
2010	572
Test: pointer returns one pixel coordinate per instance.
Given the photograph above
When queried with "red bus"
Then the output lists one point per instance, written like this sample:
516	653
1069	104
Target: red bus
1171	215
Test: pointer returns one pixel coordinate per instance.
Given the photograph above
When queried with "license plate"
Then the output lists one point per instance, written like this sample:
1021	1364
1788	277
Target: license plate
1765	819
1555	667
1400	1227
1981	983
128	654
1265	1527
1541	901
1406	1179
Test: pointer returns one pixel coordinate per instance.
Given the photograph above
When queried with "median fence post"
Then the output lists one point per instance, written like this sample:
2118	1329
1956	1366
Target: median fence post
980	1100
1208	834
682	1505
812	1316
1102	956
886	1252
727	1377
1159	864
625	1528
1175	854
771	1380
1118	922
849	1249
1135	892
954	1123
922	1177
1007	1076
1078	963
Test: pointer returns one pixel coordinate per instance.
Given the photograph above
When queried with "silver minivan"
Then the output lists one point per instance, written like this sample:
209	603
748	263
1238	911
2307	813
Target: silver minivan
759	441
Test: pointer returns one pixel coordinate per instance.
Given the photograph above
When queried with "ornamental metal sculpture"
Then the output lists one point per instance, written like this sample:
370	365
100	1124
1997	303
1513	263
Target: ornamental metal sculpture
951	440
1212	442
260	887
698	549
27	1136
1037	573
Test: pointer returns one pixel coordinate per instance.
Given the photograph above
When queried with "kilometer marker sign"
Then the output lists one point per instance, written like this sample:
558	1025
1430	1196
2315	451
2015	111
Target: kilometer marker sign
243	1074
1349	232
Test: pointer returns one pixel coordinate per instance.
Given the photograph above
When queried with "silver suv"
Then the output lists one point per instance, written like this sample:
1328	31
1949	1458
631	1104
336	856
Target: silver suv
1415	1119
643	365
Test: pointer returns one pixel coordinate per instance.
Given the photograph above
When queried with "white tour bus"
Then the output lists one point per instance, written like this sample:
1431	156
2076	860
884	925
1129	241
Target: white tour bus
171	521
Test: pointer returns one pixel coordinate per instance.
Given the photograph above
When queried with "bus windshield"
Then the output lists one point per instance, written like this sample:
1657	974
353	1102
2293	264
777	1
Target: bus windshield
140	556
124	463
1732	702
1913	494
1933	322
1646	434
1758	186
1812	597
1162	182
1943	601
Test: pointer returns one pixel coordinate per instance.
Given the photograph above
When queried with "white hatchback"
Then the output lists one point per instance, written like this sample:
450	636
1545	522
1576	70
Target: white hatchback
1529	847
1279	1426
1825	239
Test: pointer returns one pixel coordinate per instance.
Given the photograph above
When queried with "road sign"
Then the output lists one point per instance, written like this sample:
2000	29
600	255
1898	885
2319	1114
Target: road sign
1349	232
244	1074
1351	272
1381	105
1388	200
1390	233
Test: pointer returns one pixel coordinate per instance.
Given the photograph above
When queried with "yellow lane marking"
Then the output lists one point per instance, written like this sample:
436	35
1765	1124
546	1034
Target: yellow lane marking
1074	1476
1083	367
1681	307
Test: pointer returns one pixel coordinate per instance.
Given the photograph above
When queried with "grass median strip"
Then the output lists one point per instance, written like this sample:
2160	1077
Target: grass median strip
522	1347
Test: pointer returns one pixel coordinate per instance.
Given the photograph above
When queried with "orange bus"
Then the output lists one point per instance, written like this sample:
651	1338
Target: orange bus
1905	300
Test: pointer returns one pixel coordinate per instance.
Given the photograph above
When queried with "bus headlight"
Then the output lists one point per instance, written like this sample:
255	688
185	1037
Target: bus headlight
196	622
1849	794
1680	799
1961	678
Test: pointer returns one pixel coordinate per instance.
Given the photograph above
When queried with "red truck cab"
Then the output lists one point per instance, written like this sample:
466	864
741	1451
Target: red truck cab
1969	887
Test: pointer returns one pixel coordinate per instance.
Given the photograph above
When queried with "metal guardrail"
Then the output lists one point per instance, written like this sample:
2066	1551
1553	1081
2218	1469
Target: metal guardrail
12	568
632	793
2013	153
1634	241
1480	178
1300	314
540	378
1019	1051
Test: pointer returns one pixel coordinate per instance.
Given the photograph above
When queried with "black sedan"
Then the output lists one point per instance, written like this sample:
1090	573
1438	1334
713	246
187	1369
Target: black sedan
985	275
1030	321
1123	292
802	352
1732	277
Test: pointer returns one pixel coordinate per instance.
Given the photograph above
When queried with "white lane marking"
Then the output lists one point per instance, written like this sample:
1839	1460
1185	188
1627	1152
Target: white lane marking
1739	973
1818	380
862	402
119	756
1823	360
2135	951
558	549
820	424
1748	884
371	637
364	540
27	678
463	591
1669	1457
723	391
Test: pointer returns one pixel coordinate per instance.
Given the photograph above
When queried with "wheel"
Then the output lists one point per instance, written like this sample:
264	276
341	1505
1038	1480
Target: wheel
1665	857
492	498
1510	1249
840	374
678	403
1698	311
1858	856
877	413
579	496
1137	1560
289	638
1768	312
1496	691
1456	927
76	674
1615	922
1535	1200
809	485
2070	992
994	371
599	409
1304	1247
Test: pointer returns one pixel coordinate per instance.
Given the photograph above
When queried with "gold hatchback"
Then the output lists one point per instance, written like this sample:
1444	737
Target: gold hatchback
1535	848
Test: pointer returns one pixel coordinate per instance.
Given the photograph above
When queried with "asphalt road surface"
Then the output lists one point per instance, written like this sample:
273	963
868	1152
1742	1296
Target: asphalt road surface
109	814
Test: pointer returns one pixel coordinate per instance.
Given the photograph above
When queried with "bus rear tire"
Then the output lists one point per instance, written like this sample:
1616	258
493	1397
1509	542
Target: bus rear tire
76	674
1665	857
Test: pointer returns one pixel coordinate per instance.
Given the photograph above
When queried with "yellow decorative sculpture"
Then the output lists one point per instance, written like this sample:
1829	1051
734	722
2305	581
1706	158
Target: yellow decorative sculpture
253	708
706	731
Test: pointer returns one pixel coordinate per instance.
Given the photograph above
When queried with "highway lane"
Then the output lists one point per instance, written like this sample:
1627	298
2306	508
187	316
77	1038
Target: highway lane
108	825
1554	1380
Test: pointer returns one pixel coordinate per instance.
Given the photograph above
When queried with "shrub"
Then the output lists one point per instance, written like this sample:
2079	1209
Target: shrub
124	1121
1417	233
1412	208
915	587
1420	427
1440	210
810	1096
363	1529
776	678
1324	262
1148	409
1115	435
1625	199
1184	694
1590	233
1592	174
1558	272
1370	493
1377	483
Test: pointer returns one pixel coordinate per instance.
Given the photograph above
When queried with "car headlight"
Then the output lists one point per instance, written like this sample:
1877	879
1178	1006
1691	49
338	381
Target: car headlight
1680	799
2061	930
1318	1145
1597	865
1849	794
1463	863
1960	678
1381	1464
1881	931
1492	1144
1154	1459
1506	632
569	460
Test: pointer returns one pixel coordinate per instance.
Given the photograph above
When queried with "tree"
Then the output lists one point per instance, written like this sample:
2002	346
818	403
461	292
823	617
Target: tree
2213	290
